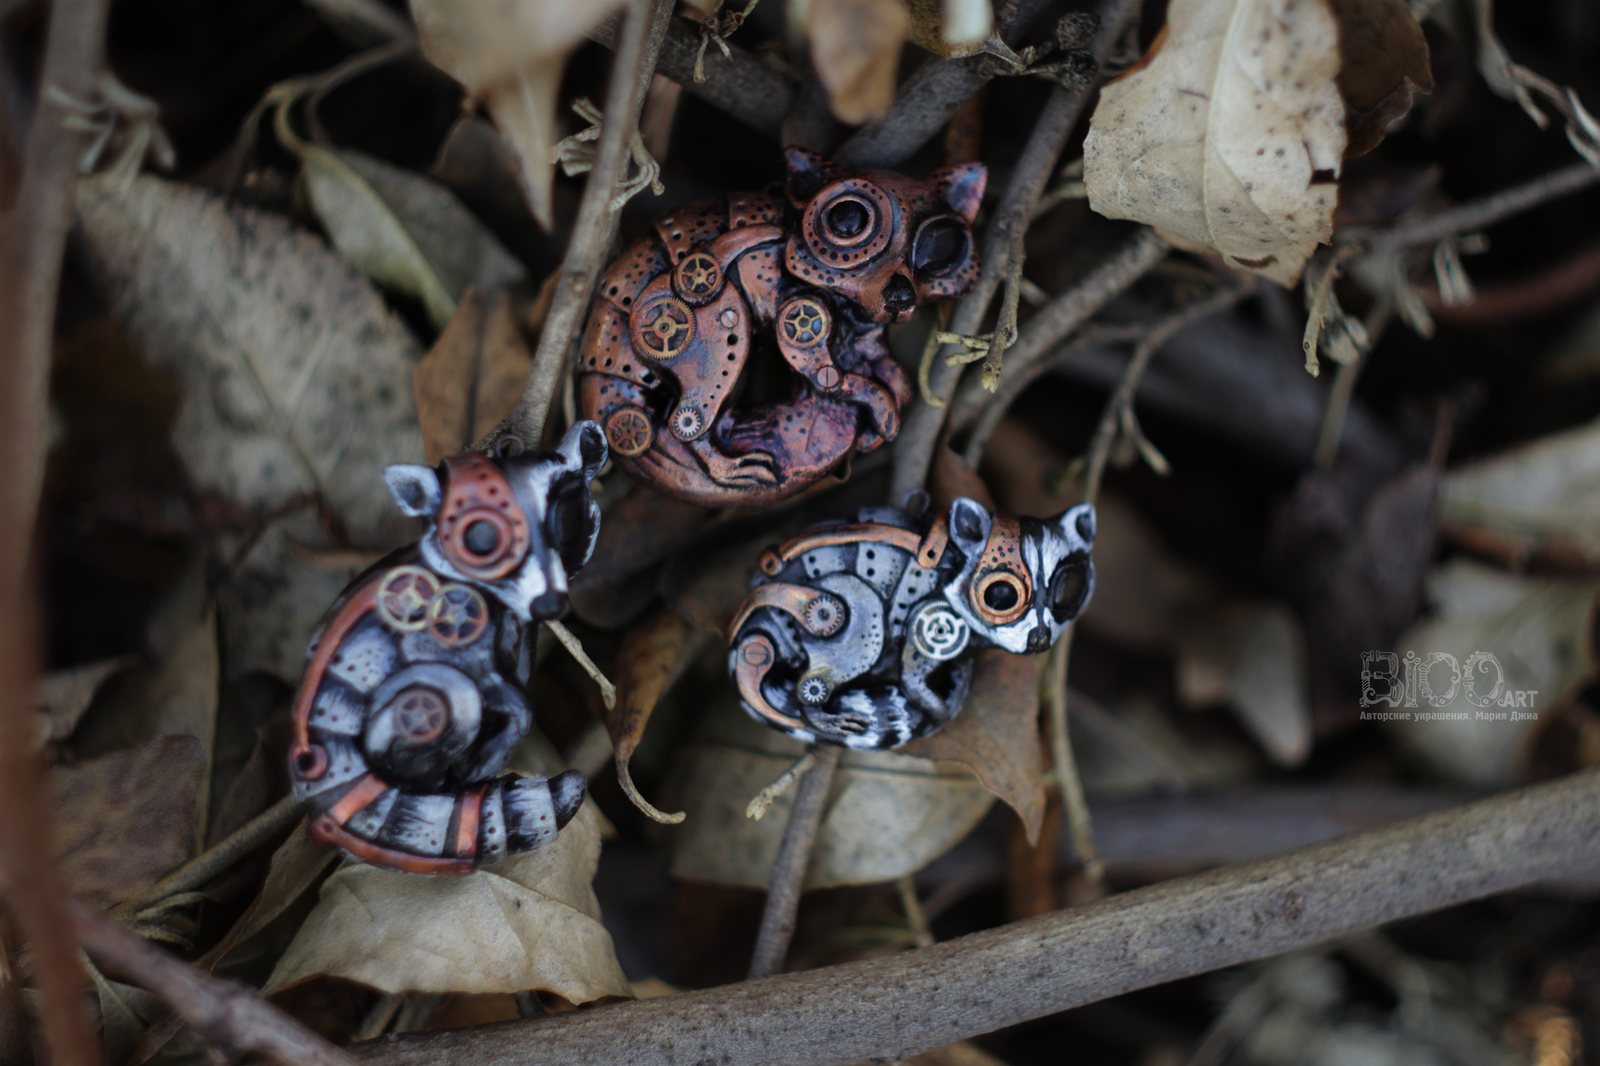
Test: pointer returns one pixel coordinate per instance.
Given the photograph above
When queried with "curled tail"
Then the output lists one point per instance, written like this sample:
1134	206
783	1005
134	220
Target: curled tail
443	832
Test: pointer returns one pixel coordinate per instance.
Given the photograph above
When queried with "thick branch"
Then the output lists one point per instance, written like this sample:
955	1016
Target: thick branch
225	1013
642	32
741	84
892	1008
31	243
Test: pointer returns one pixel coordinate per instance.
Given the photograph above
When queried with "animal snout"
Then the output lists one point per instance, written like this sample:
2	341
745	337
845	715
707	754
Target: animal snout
549	604
899	298
1039	638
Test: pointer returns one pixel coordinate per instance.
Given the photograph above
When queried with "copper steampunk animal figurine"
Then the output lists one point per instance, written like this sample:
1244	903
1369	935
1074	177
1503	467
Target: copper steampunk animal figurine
861	634
413	697
827	266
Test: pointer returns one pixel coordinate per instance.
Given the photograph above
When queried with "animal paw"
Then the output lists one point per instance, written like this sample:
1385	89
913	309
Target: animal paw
757	467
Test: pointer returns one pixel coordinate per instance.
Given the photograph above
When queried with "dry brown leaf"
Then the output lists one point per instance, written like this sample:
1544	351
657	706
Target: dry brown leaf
126	819
709	583
1231	133
472	377
640	531
1539	631
996	735
888	814
855	47
510	55
653	655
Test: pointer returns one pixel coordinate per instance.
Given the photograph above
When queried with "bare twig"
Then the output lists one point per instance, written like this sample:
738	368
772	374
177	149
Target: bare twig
574	646
891	1008
1486	211
1002	244
225	1013
1079	825
916	917
1344	386
738	82
642	32
789	869
32	236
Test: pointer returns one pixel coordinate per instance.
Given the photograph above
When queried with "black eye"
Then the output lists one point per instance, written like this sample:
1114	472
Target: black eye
1000	596
941	245
1069	587
481	538
847	218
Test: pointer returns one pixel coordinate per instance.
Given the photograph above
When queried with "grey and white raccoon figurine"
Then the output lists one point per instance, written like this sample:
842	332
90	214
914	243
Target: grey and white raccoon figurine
861	634
413	696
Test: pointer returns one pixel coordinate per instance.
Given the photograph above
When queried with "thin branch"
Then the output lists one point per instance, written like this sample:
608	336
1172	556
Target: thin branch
890	1008
1002	247
1477	214
789	869
1079	825
642	32
738	83
1060	318
32	236
225	1013
574	646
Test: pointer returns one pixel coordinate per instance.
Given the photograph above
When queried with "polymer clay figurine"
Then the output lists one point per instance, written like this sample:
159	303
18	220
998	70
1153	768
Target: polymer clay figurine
827	266
862	634
413	697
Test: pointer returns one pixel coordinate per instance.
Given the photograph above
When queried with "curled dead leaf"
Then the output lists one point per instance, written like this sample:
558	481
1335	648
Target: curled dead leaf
653	655
1231	134
472	376
855	46
510	55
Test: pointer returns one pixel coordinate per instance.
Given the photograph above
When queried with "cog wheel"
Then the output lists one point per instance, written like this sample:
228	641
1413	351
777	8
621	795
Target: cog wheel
663	329
938	632
814	690
805	322
629	431
404	594
697	278
825	616
457	616
687	422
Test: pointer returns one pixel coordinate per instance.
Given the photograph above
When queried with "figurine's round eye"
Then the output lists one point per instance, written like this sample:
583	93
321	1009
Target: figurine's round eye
941	245
1069	587
481	538
849	220
1000	596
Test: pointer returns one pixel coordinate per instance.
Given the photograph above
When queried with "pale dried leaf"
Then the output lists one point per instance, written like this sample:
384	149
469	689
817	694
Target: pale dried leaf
1540	498
297	376
295	867
887	815
855	47
124	820
530	922
510	54
473	376
1539	632
1251	656
1231	134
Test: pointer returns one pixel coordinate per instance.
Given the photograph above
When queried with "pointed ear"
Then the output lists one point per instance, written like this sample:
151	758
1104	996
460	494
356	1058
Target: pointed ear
962	188
969	523
808	172
1078	521
584	448
414	488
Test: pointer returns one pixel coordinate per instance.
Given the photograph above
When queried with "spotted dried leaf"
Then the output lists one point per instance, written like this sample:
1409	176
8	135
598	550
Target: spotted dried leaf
473	375
1231	132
